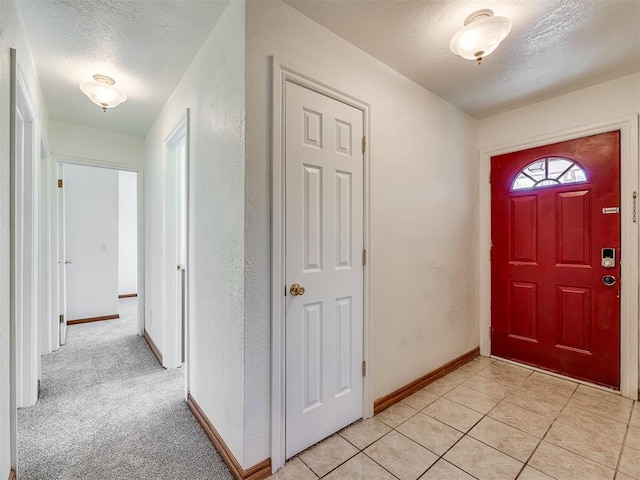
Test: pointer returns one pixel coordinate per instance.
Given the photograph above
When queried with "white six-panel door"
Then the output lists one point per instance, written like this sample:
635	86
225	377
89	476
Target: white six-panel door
324	245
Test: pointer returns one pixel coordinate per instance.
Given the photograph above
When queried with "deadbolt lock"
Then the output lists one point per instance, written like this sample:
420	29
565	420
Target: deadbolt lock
296	289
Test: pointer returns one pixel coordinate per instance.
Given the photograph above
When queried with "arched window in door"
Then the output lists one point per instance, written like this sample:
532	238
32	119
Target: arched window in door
549	172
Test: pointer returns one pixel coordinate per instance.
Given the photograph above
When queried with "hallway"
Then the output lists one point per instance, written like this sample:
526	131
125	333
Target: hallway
107	410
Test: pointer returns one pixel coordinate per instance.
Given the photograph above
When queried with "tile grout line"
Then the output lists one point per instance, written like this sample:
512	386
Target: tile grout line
601	416
464	434
440	457
555	419
571	451
364	453
334	468
543	437
624	441
501	401
525	463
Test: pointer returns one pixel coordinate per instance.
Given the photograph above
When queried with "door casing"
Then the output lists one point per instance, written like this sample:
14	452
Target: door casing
281	75
629	332
25	233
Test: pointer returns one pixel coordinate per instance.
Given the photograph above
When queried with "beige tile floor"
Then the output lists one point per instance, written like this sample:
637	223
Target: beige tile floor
487	420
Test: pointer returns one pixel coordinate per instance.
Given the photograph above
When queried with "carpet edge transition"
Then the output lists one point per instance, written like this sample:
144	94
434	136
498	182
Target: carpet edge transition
410	388
259	471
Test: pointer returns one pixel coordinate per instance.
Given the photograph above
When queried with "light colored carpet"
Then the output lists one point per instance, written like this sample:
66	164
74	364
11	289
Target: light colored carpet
109	411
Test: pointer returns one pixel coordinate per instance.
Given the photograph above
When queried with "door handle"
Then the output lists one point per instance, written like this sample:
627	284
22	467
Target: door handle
609	280
67	262
296	289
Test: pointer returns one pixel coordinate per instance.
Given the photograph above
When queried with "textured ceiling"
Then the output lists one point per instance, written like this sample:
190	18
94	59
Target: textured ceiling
555	46
145	45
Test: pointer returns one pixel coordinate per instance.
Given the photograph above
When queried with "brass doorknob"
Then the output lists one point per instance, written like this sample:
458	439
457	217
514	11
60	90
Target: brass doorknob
296	289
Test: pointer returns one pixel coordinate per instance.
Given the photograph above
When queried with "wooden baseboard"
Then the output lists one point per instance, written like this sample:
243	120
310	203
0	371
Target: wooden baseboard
128	295
258	472
92	319
12	475
153	347
403	392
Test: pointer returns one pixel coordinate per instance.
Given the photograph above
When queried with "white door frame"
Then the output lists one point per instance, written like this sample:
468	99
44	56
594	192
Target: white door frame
281	75
48	321
26	233
68	159
60	259
629	284
172	336
13	358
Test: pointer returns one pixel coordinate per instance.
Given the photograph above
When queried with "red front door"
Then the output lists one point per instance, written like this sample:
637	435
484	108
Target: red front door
555	293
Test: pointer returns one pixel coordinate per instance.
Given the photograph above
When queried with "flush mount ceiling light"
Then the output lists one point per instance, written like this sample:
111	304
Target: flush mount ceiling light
102	92
481	35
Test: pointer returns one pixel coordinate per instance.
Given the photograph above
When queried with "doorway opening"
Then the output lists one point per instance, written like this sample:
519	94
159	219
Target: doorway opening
99	245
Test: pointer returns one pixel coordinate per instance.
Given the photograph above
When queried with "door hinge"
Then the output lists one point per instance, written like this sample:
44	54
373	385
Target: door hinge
364	257
364	368
489	176
364	144
490	252
285	290
59	183
61	318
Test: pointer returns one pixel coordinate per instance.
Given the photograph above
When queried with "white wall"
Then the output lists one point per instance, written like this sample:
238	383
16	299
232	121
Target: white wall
12	35
213	89
91	233
609	100
93	144
423	212
127	233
